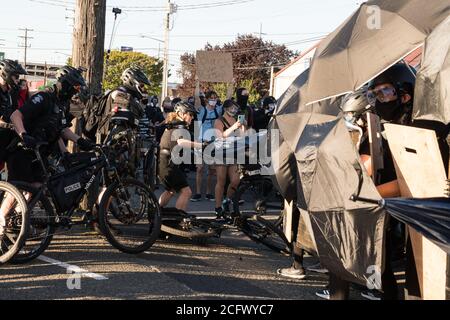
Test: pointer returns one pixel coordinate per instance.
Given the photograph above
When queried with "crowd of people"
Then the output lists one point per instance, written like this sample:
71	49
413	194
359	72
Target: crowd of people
45	116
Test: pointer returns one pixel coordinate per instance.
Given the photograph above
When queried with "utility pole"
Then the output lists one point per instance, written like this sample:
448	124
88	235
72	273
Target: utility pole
45	73
25	46
171	9
88	44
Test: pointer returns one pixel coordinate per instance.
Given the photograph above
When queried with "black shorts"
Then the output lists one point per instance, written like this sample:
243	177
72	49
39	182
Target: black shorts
22	165
172	177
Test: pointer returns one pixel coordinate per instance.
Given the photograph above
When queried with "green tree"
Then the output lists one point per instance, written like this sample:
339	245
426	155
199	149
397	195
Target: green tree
252	60
119	61
222	88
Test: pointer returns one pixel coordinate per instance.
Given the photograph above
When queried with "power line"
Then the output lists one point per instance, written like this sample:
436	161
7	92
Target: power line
67	4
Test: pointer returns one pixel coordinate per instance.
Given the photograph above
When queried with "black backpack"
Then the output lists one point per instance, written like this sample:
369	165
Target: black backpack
93	115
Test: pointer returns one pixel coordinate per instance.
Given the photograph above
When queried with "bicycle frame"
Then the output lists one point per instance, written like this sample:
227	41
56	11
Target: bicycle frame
100	164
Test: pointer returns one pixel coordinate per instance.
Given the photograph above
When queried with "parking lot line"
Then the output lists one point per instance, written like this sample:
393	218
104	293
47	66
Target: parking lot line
72	268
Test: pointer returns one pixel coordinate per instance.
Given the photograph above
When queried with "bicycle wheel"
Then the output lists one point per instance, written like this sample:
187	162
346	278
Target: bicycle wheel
265	232
16	222
189	227
257	196
42	227
129	216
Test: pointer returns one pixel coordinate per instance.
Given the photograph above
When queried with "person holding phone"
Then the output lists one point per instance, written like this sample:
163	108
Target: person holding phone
230	124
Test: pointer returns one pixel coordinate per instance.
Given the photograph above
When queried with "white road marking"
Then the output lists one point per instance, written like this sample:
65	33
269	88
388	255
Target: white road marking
72	268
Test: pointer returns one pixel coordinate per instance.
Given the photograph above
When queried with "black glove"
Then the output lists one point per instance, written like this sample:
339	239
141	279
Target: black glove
29	141
65	159
85	144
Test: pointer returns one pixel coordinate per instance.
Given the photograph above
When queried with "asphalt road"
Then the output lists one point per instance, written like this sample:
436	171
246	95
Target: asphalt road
82	265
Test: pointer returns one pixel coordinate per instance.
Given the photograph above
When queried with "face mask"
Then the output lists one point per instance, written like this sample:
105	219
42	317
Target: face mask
67	92
232	112
242	101
387	110
212	103
167	107
270	108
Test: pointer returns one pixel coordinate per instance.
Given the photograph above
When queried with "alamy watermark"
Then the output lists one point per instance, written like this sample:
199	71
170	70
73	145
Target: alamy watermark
251	148
74	280
374	280
374	17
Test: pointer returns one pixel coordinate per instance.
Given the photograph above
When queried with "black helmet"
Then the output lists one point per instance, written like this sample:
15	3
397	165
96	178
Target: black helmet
72	76
9	68
69	77
185	107
133	78
268	100
400	75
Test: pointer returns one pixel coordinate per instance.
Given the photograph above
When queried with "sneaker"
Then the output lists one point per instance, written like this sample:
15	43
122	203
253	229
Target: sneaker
317	268
210	197
371	295
219	213
292	273
196	197
324	294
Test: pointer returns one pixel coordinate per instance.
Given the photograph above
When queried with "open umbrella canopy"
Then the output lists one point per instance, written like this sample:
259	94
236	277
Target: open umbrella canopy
432	93
430	217
318	167
373	38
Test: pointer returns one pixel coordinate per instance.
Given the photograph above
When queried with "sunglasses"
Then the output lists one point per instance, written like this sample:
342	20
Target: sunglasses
385	94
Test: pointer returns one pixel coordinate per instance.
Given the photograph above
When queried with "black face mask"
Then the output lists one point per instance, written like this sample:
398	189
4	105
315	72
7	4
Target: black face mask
387	110
67	92
242	101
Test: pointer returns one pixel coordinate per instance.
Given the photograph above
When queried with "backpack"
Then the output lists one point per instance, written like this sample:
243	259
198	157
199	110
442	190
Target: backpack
216	114
93	115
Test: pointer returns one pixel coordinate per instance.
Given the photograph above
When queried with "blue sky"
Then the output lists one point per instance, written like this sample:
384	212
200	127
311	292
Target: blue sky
292	22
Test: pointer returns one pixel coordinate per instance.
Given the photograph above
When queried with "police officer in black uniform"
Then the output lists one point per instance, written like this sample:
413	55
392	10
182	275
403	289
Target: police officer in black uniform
45	117
128	97
10	71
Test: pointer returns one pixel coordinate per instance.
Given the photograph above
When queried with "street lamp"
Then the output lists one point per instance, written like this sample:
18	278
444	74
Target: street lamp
66	54
156	39
116	12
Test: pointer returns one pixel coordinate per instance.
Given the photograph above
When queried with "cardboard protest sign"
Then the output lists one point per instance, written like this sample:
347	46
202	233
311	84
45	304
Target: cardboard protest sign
421	174
214	66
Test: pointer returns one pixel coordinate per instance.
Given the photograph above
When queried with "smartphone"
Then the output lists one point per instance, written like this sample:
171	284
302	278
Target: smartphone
241	118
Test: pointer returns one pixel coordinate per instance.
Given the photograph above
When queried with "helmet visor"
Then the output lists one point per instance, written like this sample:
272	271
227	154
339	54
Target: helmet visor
384	94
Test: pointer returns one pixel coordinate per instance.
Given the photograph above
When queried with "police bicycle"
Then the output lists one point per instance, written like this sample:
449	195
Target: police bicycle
128	212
